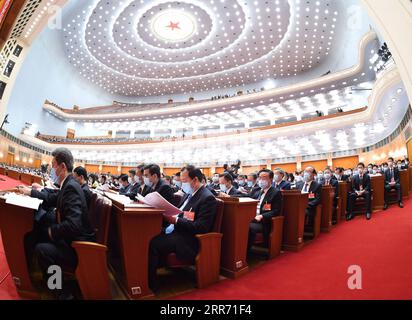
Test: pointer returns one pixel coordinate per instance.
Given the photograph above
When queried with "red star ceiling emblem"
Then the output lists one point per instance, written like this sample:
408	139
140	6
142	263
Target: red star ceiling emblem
173	26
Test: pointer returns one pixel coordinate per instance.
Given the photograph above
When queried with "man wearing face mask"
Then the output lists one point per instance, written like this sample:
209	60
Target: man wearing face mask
361	188
330	181
314	189
215	183
319	177
278	180
269	206
124	185
340	176
72	220
151	177
80	174
392	182
226	186
198	215
177	183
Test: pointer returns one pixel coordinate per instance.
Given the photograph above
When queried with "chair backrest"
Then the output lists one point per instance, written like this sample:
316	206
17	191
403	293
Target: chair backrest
177	199
99	216
219	215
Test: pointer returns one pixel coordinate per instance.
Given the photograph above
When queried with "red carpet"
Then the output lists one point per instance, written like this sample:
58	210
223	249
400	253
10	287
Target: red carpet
381	247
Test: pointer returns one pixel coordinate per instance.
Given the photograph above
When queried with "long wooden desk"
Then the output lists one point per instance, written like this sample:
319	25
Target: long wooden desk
343	198
15	223
131	229
404	177
294	206
378	187
328	193
237	215
13	174
26	178
2	171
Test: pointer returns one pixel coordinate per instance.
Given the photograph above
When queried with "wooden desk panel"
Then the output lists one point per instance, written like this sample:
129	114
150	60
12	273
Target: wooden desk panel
38	179
13	174
26	178
238	213
294	206
15	223
2	171
410	178
344	188
404	177
131	231
328	193
378	187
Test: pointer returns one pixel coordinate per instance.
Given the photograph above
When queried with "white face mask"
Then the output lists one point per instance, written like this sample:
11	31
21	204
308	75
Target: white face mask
130	180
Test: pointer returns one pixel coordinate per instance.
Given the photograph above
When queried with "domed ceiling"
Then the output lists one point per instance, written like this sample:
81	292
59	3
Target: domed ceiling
141	48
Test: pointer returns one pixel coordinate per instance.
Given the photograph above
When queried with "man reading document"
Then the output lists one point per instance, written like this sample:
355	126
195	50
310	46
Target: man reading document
197	215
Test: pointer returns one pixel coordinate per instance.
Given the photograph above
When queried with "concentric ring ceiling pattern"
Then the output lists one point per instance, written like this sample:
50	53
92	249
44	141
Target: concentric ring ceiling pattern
140	48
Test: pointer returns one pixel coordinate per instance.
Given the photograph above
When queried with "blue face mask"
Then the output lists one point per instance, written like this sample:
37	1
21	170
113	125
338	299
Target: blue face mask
223	188
250	184
53	176
241	183
187	188
263	184
147	182
306	177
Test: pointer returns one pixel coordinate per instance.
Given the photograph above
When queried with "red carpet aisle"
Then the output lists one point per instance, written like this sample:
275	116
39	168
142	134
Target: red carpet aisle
7	288
381	246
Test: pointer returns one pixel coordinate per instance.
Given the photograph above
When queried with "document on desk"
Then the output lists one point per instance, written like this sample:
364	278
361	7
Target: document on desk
23	201
155	200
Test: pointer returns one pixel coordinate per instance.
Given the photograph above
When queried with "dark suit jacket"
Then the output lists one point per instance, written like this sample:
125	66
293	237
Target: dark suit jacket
314	188
72	209
87	194
212	190
284	185
273	197
334	183
203	204
125	190
396	176
164	190
366	182
234	192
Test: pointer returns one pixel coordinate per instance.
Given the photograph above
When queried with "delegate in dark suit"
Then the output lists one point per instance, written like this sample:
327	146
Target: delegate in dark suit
392	175
315	193
233	192
72	225
164	190
270	206
182	240
283	185
360	183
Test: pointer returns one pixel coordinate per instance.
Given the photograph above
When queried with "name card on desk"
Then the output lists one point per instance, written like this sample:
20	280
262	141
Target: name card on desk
22	201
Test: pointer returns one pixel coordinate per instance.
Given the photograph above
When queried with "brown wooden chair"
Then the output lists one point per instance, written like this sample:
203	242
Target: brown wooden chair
360	205
275	237
92	273
317	222
207	261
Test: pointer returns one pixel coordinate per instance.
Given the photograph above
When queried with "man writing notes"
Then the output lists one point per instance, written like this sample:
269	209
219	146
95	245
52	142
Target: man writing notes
198	215
269	205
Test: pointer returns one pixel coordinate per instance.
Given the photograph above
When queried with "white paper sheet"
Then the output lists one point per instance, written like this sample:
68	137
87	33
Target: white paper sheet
23	201
155	200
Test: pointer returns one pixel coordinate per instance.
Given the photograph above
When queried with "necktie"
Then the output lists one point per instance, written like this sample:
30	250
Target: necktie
305	189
